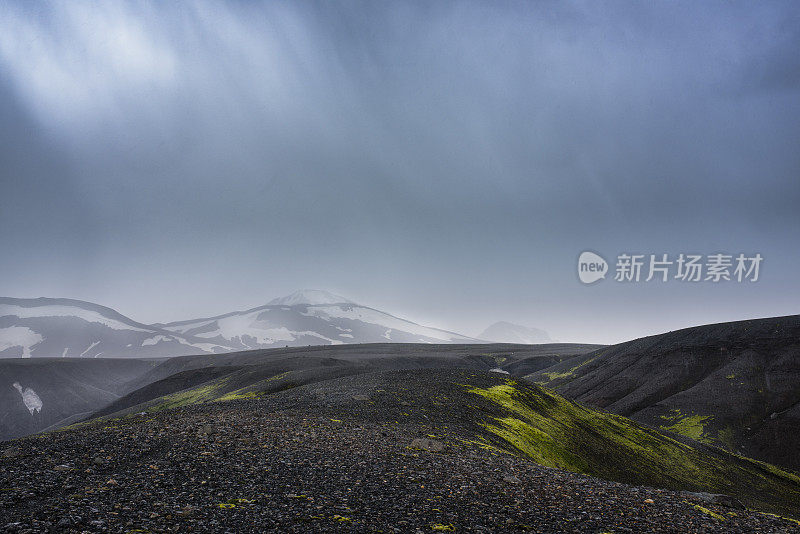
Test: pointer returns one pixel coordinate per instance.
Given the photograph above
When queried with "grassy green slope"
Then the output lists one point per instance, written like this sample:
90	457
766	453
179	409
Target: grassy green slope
559	433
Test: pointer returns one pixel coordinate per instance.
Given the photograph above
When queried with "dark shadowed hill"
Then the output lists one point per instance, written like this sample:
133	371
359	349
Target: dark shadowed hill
732	384
516	359
41	393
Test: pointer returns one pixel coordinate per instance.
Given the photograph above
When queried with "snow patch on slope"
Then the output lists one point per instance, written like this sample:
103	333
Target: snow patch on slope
183	328
368	315
90	347
249	331
155	340
19	336
29	397
205	347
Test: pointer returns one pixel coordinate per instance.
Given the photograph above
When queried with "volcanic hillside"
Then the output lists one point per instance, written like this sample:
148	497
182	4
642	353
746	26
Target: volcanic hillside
735	385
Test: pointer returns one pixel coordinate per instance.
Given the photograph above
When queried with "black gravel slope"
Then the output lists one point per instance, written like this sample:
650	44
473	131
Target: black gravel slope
517	359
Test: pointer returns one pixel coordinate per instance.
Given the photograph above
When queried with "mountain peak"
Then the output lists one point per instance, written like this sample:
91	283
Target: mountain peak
309	297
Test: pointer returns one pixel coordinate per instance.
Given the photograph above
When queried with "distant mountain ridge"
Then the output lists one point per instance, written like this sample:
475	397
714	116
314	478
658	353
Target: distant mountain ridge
50	327
505	332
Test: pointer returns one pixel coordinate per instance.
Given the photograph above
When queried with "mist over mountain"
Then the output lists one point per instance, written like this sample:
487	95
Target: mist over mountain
505	332
439	147
309	296
47	327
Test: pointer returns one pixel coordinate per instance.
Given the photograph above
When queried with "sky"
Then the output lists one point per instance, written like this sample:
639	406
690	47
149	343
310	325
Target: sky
446	162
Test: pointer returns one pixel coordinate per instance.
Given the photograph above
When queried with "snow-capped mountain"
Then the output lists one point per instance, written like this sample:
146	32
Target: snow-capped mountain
504	332
309	317
46	327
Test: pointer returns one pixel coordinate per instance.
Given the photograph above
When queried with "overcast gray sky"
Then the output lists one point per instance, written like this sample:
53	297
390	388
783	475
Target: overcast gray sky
443	161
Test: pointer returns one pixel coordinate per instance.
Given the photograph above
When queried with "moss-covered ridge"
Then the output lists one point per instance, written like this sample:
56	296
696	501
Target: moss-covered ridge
225	389
559	433
243	384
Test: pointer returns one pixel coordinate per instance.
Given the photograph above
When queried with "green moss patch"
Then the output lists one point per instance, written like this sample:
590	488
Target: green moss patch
692	426
689	425
553	376
709	513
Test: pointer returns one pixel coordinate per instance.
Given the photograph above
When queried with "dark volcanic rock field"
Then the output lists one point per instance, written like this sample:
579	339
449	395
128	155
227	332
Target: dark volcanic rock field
383	452
72	389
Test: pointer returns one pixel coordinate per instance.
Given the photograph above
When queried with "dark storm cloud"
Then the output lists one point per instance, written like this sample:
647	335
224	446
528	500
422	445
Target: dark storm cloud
443	160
